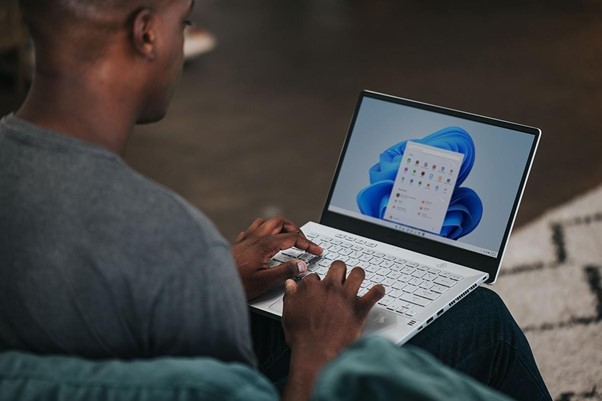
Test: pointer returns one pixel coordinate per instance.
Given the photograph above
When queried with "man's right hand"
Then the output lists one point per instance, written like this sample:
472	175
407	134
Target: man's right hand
254	247
321	318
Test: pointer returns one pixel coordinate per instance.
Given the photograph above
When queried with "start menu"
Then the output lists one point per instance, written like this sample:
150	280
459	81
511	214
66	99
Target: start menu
423	187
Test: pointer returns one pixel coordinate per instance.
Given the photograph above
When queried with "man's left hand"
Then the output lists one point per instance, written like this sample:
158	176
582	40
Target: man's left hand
263	239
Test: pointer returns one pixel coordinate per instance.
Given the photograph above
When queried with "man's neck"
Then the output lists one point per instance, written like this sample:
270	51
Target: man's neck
75	105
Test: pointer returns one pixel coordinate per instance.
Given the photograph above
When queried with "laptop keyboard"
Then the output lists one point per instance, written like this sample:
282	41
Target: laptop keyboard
410	286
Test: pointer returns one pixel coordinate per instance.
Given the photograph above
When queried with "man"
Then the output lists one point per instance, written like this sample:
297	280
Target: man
98	261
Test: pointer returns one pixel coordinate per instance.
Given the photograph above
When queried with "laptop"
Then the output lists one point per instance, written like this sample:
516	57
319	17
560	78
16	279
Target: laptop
423	199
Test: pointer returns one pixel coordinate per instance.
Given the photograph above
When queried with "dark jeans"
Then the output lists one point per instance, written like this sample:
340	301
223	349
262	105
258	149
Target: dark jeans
477	337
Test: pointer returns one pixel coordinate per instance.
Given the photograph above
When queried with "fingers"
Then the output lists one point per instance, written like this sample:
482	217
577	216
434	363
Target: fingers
258	222
273	226
354	280
303	243
275	243
279	274
280	225
370	299
336	272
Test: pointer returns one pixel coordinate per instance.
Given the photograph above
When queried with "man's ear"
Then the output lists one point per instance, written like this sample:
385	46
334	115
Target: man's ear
144	34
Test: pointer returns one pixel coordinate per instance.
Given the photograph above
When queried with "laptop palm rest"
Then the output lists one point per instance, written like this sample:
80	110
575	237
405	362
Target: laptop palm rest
378	318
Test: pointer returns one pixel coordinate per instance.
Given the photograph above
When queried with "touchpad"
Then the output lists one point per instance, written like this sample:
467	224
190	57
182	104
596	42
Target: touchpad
277	306
379	319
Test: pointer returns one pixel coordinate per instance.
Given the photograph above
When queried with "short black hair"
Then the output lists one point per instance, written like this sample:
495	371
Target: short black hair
84	24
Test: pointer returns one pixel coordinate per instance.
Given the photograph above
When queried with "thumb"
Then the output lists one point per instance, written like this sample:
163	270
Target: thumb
290	287
278	274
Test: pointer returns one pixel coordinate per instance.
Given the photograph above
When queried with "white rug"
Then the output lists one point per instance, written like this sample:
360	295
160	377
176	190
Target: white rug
551	282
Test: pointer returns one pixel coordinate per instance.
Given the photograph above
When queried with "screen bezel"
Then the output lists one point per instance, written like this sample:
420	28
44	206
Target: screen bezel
422	245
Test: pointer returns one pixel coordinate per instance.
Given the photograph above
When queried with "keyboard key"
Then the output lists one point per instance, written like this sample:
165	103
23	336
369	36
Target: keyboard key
426	285
415	299
445	281
324	262
416	281
372	268
376	260
388	281
408	270
429	276
398	285
386	263
397	267
394	275
418	273
426	294
409	288
345	252
386	301
365	258
455	277
382	271
335	249
356	254
411	312
398	305
439	289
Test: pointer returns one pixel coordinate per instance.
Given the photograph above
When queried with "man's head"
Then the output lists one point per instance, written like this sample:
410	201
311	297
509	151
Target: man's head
134	45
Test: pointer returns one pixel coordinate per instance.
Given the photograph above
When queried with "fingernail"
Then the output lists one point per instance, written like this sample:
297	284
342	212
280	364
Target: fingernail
302	266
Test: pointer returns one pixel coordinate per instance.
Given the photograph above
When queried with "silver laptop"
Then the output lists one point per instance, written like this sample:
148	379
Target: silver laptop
423	199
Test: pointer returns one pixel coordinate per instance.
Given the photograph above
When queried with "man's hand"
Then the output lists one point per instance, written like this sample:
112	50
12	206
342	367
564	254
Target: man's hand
263	239
320	319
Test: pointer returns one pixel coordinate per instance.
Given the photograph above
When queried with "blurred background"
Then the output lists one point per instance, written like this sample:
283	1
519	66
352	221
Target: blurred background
257	123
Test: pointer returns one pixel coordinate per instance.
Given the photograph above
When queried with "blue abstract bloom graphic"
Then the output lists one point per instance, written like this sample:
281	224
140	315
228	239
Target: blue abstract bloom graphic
465	209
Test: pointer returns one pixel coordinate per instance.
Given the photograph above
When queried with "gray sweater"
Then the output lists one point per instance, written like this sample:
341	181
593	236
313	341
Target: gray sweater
97	260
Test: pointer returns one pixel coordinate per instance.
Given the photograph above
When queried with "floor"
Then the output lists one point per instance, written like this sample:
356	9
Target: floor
256	126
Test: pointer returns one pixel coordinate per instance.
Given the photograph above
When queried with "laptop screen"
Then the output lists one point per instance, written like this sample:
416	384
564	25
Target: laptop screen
441	175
